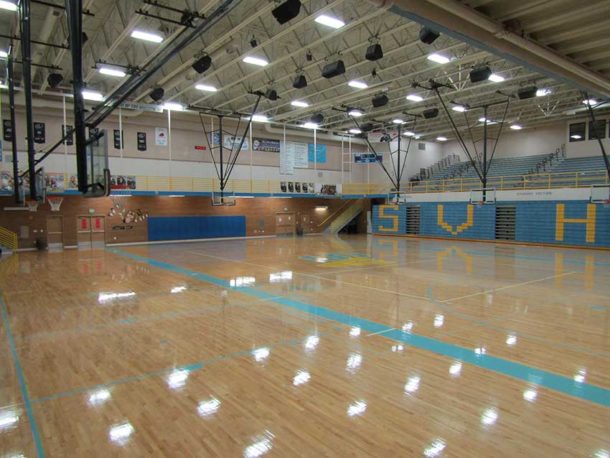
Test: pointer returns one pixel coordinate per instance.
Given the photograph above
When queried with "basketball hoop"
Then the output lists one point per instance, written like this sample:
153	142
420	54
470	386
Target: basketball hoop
32	205
606	203
55	203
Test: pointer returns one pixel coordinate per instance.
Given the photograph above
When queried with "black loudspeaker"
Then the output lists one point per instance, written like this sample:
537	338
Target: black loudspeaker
202	64
527	92
54	79
374	52
480	74
380	100
428	36
366	127
299	82
333	69
287	11
271	94
430	113
157	94
318	118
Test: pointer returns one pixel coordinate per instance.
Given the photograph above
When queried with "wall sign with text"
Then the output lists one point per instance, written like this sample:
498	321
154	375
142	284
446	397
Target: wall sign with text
40	135
141	141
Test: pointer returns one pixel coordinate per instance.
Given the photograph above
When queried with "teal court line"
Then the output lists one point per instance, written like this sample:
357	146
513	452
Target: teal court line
192	367
21	379
555	382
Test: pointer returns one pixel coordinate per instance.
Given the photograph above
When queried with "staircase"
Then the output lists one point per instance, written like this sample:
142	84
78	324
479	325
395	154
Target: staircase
8	241
345	216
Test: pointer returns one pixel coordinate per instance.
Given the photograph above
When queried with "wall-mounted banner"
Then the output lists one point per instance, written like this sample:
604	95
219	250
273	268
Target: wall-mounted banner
141	141
268	145
300	156
7	130
367	158
328	189
122	182
40	135
231	142
70	140
142	107
320	156
54	182
286	158
117	139
161	136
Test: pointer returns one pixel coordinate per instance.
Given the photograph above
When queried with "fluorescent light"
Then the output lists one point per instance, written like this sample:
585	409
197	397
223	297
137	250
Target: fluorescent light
255	61
5	5
495	78
355	131
205	88
439	58
260	118
544	91
417	136
516	127
299	103
408	133
3	54
146	36
398	121
576	137
92	95
311	125
415	98
330	21
590	102
459	108
112	72
441	139
355	113
172	106
489	121
358	84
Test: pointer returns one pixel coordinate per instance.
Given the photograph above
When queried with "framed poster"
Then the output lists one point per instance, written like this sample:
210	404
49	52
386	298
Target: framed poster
161	136
265	144
141	141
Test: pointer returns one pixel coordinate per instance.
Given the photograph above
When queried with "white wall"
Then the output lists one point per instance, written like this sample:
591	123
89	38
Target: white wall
526	142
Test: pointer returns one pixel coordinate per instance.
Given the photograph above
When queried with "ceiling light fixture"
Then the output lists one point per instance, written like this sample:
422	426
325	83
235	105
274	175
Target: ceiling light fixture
299	104
441	139
330	21
311	125
495	78
206	88
544	91
398	121
358	84
6	5
355	113
415	98
260	118
590	102
516	127
355	131
439	58
459	108
3	54
173	106
146	36
255	61
92	95
112	72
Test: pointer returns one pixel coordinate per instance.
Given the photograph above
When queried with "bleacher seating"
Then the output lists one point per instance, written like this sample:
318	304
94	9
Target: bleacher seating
580	164
510	166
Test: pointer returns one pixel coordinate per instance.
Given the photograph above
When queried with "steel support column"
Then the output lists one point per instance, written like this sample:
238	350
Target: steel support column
11	103
26	49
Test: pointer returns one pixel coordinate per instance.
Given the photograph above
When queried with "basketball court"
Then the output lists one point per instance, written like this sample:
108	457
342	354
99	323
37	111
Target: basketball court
338	228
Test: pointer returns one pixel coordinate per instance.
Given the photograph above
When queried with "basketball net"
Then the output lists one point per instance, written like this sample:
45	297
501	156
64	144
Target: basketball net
55	203
32	205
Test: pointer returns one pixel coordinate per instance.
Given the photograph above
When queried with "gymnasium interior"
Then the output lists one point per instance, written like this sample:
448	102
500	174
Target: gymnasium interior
281	228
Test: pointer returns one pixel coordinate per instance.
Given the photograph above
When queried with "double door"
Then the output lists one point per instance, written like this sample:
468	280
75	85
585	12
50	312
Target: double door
90	232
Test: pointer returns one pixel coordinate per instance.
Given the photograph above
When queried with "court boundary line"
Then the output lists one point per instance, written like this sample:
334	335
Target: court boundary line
21	379
514	370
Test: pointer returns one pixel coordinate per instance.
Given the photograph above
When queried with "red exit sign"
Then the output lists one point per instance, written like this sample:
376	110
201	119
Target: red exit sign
200	147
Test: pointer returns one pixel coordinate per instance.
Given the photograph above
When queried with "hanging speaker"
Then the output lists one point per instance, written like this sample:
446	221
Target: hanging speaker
527	92
380	100
480	74
374	52
54	79
299	82
271	94
287	11
318	118
430	113
333	69
366	127
428	36
157	94
202	64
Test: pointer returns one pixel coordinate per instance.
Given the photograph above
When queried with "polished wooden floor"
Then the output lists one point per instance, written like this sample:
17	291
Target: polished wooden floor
315	346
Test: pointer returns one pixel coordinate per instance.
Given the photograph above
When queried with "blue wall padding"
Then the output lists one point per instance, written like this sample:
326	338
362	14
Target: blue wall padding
583	223
195	227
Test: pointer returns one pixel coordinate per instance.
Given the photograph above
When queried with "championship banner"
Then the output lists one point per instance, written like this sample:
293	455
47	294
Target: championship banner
230	142
268	145
287	158
320	155
117	139
141	141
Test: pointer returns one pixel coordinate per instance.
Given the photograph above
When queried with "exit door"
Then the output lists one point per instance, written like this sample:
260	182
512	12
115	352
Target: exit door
90	232
55	233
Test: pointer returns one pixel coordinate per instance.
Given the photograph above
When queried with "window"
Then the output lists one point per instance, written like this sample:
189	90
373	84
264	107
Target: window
577	131
597	128
421	146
